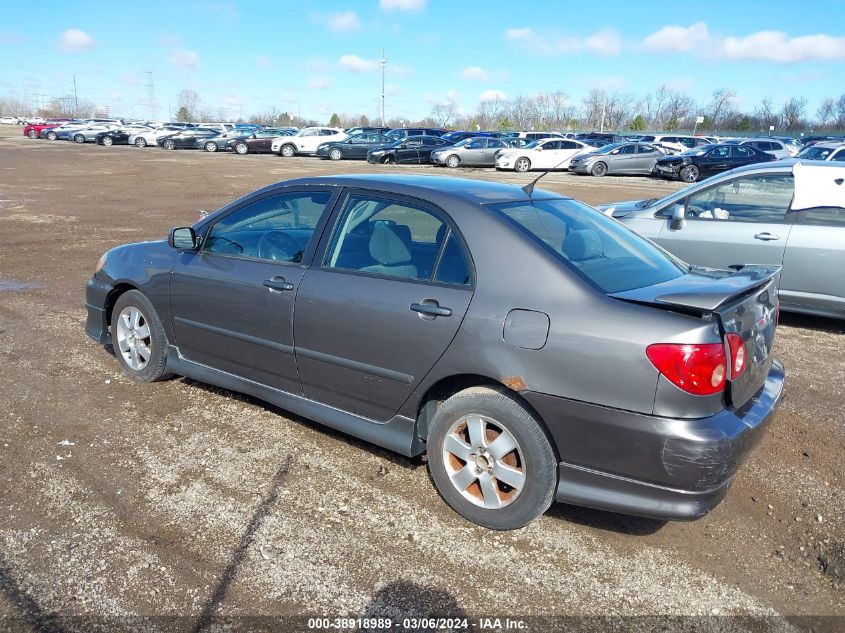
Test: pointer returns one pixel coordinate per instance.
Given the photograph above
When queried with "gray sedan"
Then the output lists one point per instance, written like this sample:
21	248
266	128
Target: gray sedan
414	312
788	213
479	151
618	158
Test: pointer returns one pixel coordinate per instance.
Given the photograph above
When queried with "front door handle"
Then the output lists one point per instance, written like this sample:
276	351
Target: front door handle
277	284
430	308
767	237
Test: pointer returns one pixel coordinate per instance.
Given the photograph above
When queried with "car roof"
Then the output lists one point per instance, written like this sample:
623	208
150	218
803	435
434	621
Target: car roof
428	187
828	145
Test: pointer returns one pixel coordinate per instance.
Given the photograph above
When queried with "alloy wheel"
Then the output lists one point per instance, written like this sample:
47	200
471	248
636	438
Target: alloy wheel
133	338
484	461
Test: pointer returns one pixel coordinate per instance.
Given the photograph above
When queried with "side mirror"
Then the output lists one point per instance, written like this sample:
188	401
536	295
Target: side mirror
678	220
182	238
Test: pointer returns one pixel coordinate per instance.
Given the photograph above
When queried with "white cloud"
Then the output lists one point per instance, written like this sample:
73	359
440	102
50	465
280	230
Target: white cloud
492	95
606	42
343	22
76	40
188	60
357	64
776	46
319	83
402	5
262	61
678	38
770	46
474	73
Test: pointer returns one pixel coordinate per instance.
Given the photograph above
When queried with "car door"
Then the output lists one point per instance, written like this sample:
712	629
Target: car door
623	159
717	160
232	300
474	152
646	158
740	221
381	305
546	155
409	151
261	143
814	260
493	146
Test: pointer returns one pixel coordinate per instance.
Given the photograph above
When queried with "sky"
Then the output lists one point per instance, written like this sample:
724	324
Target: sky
313	58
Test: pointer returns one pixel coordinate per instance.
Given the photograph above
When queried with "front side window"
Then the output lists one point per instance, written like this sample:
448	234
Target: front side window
390	237
626	149
609	256
277	228
719	153
742	151
753	199
817	153
309	133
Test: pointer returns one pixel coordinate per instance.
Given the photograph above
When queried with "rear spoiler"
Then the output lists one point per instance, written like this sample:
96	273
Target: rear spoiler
704	289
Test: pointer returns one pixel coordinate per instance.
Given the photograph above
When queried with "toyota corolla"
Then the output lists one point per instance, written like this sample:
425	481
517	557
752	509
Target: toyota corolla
535	348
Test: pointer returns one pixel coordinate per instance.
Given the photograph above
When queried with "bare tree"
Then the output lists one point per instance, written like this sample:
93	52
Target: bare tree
190	101
792	114
764	114
444	113
720	108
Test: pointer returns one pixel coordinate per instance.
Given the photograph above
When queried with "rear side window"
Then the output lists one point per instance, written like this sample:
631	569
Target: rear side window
599	249
822	216
839	156
452	267
742	151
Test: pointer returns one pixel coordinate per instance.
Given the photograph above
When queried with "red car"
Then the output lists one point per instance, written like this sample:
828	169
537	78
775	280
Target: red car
34	131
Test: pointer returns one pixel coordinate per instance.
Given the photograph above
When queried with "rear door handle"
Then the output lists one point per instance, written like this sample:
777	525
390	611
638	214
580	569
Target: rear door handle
431	309
767	237
277	284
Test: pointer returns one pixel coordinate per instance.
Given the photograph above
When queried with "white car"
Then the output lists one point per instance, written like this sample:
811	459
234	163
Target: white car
9	120
676	143
777	148
150	137
306	140
548	153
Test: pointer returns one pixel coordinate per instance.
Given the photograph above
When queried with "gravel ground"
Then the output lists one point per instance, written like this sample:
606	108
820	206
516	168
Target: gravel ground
179	506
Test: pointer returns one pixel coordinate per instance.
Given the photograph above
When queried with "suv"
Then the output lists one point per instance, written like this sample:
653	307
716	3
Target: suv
674	143
399	133
776	148
306	141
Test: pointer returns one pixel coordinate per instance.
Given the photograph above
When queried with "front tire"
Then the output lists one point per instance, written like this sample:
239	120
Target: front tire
453	161
52	136
32	134
211	147
168	144
138	338
287	151
140	142
79	138
522	165
690	173
242	148
335	154
108	141
599	169
490	459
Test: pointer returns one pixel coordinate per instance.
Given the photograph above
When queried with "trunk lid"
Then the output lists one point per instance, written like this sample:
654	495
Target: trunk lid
744	302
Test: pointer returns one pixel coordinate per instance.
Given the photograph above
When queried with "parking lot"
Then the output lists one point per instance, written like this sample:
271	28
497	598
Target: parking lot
128	503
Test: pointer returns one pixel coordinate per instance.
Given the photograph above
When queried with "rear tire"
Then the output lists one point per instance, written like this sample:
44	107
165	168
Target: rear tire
453	161
32	134
211	147
168	144
599	169
477	439
78	138
52	136
287	151
140	142
138	338
522	164
108	141
690	173
242	148
335	154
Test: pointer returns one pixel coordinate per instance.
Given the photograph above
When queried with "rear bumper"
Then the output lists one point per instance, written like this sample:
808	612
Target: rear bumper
96	302
663	468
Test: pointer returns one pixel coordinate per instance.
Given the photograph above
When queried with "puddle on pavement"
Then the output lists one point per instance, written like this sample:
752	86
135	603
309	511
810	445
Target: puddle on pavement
12	285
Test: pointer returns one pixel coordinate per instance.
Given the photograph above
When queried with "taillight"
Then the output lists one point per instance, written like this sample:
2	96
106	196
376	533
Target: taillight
738	355
699	369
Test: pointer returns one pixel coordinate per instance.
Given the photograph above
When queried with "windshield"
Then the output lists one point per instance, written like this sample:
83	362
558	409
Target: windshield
816	153
607	148
599	249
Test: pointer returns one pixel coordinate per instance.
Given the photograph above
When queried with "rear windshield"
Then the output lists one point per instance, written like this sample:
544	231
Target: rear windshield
607	254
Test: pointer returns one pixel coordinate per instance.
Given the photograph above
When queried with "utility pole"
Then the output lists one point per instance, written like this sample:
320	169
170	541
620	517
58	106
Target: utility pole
603	106
383	68
75	99
151	101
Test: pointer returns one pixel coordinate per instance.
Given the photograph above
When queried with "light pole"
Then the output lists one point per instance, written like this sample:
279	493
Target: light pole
383	68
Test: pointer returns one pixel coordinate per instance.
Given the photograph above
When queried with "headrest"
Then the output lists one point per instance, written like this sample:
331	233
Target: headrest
387	247
582	244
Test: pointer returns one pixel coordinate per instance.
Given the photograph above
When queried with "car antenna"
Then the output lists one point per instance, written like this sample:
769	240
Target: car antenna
529	188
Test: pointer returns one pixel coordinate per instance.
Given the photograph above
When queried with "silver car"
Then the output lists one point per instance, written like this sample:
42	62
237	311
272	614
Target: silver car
89	134
618	158
788	213
478	151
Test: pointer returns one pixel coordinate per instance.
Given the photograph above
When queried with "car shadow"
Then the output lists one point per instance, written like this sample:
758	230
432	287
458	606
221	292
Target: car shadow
408	463
405	599
20	596
811	322
605	521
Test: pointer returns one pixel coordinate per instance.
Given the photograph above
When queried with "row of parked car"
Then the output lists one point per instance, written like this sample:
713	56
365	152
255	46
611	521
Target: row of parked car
684	157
